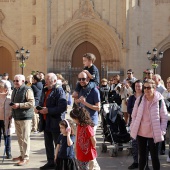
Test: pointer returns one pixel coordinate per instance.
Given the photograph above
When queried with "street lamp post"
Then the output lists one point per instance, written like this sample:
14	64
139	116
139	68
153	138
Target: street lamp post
21	57
154	58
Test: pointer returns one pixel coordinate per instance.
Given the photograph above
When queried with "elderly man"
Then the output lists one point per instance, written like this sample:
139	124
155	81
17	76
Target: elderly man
54	104
92	104
159	83
22	111
160	88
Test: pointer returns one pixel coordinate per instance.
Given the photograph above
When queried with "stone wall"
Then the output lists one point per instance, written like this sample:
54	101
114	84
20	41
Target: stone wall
121	30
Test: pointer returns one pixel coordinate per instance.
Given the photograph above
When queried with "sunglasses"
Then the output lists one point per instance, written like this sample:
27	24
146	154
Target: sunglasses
15	81
81	79
129	73
148	73
148	88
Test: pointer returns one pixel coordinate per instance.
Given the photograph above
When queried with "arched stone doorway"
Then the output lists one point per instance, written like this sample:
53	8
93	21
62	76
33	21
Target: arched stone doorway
85	47
6	61
165	71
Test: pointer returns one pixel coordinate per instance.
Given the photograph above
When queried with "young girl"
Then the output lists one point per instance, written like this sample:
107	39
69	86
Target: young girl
85	139
64	156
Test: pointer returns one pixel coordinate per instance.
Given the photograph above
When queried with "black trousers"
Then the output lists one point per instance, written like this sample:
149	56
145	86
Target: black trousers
143	144
50	145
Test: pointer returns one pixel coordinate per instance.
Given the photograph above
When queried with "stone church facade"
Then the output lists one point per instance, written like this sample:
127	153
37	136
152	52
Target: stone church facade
59	32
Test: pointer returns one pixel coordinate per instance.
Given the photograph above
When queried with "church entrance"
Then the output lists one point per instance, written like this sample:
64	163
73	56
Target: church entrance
76	66
165	66
5	64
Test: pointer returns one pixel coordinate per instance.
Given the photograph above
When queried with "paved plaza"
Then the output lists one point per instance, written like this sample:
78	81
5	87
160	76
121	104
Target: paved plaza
38	156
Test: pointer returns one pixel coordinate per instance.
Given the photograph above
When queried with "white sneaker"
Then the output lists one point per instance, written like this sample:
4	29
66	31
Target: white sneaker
149	158
168	159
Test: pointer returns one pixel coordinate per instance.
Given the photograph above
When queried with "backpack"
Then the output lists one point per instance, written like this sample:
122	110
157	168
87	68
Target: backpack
160	102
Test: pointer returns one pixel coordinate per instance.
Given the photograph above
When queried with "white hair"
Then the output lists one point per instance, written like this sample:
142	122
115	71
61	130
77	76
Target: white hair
158	76
52	76
20	77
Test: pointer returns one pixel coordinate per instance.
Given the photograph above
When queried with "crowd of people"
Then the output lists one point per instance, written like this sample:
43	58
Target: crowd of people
39	104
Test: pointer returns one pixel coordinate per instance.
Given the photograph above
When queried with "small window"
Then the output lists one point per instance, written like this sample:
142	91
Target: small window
138	2
34	40
33	2
33	20
138	40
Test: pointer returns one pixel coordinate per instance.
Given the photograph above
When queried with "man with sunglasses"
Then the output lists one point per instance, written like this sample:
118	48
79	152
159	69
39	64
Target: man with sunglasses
130	76
91	103
22	111
148	74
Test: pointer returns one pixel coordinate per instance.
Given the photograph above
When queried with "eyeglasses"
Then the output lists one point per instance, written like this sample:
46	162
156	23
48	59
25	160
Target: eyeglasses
81	79
148	88
15	81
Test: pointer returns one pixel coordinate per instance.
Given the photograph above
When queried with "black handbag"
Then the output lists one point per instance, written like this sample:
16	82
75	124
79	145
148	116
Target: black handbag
167	103
41	124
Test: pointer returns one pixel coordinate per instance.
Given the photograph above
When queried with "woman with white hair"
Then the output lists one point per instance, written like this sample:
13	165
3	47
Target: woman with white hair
5	115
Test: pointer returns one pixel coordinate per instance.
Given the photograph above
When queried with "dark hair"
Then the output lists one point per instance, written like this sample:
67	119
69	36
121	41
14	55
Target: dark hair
130	70
133	85
117	77
90	57
82	115
36	77
64	123
41	73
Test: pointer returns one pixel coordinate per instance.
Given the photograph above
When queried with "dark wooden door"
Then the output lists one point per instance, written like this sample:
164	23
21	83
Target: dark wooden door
165	68
5	61
85	47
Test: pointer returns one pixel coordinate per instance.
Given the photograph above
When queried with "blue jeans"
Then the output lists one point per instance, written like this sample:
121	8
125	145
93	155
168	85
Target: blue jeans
7	138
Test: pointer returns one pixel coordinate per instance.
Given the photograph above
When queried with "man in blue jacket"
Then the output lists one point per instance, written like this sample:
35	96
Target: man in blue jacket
54	103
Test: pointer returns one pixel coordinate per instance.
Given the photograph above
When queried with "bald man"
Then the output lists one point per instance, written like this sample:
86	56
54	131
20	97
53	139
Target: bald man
92	104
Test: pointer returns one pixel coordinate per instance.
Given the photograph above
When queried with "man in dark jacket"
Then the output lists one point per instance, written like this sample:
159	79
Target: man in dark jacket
37	88
54	103
22	111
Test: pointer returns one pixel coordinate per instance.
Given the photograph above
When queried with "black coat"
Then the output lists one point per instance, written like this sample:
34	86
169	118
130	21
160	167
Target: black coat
57	105
37	89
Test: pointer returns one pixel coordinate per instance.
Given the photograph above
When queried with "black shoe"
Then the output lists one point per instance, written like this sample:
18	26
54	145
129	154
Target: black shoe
162	152
9	156
133	166
48	166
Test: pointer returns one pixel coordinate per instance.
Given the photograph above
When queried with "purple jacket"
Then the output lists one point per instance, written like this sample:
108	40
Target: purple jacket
158	116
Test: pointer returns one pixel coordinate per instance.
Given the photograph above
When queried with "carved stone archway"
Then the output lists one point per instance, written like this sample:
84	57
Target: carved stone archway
164	64
10	45
86	25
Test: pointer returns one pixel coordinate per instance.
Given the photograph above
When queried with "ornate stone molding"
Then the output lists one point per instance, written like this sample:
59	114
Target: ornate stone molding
86	10
2	17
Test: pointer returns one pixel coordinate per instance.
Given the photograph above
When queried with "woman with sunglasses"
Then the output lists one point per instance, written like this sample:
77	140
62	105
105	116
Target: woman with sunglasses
137	87
149	121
